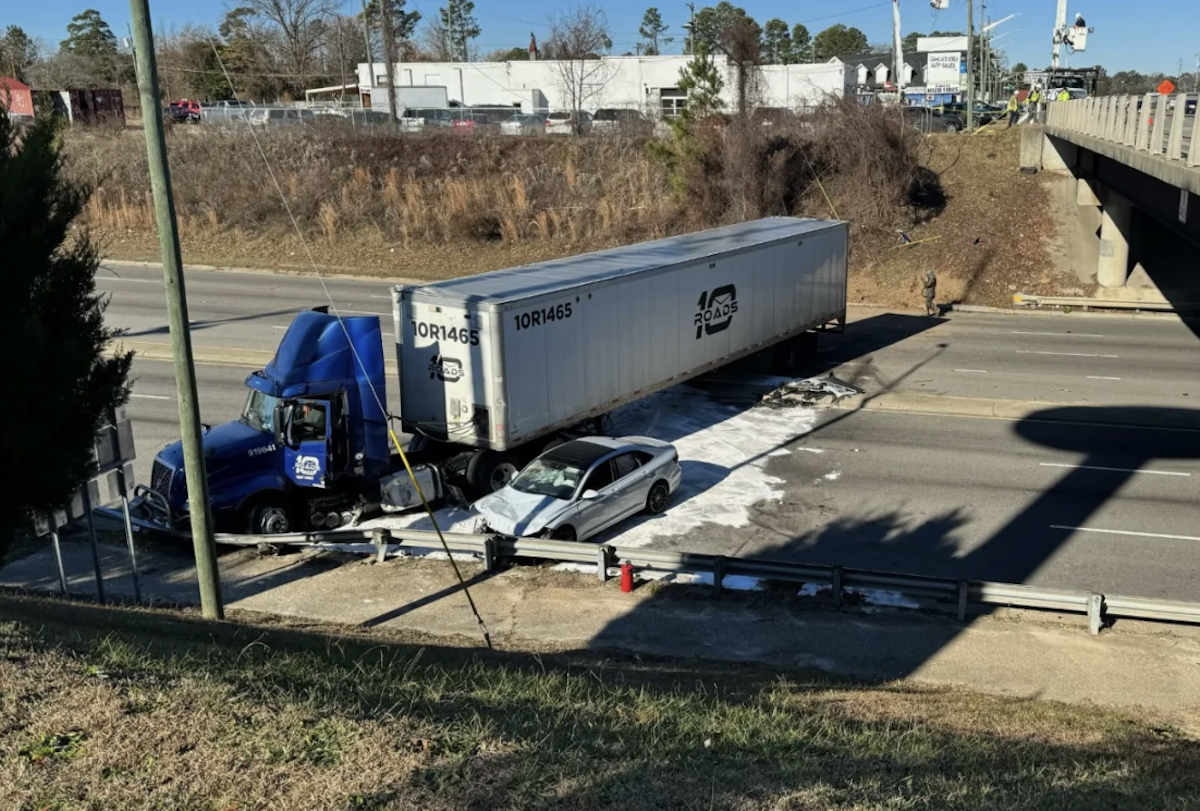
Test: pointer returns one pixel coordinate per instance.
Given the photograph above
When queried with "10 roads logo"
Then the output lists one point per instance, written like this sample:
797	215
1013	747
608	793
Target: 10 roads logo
715	310
445	369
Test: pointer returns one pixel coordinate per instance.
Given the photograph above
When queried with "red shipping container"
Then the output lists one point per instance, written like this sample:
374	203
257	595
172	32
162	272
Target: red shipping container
16	96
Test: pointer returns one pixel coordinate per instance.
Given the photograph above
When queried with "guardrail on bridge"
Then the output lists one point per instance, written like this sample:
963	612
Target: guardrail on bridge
1153	124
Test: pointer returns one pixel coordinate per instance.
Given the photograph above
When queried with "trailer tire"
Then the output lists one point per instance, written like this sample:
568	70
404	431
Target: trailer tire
488	471
269	515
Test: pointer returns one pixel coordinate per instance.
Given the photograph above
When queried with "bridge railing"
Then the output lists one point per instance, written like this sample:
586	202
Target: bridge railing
1156	124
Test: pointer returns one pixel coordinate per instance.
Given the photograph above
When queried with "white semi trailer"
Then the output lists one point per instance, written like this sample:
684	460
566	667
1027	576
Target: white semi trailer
495	367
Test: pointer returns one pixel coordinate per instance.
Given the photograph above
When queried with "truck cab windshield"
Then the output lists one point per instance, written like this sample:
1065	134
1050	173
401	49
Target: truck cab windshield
259	412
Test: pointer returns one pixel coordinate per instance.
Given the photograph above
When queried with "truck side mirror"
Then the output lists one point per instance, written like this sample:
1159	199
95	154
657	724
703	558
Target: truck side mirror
283	424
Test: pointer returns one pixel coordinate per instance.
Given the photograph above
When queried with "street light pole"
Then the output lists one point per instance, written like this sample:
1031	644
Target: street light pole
177	315
971	64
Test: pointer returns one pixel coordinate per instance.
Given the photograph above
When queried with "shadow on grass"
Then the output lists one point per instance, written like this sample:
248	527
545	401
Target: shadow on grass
586	730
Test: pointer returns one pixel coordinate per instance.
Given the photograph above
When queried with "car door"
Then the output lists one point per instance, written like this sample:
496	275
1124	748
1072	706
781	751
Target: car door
594	514
632	483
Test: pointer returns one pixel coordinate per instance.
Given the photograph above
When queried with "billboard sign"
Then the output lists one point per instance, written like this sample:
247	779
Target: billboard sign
944	69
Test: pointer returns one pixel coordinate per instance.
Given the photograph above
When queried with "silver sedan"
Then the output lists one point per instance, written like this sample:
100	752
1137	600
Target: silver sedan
583	487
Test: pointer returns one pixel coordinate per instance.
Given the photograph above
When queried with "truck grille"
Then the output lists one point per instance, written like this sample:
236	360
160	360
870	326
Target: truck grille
160	478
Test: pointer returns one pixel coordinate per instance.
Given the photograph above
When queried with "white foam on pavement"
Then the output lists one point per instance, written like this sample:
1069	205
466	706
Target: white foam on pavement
723	450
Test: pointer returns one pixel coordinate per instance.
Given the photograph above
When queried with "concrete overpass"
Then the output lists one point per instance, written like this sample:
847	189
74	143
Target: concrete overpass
1134	162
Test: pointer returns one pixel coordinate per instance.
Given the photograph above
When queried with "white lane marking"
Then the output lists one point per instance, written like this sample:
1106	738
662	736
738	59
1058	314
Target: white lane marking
1127	532
1066	354
372	295
1097	377
1065	334
972	371
150	396
1117	469
278	326
123	279
365	312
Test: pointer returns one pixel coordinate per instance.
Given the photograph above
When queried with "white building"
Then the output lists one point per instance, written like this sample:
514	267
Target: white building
648	83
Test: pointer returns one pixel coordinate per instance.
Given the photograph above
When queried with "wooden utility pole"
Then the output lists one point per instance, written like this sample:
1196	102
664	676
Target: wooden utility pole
389	56
177	314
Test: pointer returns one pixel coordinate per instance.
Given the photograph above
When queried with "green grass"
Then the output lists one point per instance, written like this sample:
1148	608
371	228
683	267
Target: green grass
174	713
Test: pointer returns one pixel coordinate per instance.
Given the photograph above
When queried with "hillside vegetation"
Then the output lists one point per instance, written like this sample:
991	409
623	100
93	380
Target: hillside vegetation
447	204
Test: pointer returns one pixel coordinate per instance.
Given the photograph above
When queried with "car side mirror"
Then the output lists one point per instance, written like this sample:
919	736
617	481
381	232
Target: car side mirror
589	495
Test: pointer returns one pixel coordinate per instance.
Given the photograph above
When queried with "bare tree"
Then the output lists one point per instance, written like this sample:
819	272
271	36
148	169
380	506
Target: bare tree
578	39
301	27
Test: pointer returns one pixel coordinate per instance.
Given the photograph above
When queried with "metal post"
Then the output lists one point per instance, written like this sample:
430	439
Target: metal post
970	64
718	573
835	586
603	555
1095	613
177	316
91	525
964	593
62	573
490	563
133	564
381	538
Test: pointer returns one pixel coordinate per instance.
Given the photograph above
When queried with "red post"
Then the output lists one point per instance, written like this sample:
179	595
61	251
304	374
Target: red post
626	577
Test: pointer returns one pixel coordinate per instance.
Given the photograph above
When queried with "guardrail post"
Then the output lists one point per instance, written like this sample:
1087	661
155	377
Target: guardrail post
835	585
490	563
964	593
603	555
381	538
1116	128
718	573
1193	156
1159	131
1175	143
1095	613
1131	120
1143	130
1106	118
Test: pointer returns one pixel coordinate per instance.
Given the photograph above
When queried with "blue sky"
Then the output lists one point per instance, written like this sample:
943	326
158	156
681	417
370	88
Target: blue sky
1150	36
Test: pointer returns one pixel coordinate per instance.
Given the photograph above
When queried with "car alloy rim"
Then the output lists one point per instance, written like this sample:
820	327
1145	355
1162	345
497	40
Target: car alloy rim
502	475
658	499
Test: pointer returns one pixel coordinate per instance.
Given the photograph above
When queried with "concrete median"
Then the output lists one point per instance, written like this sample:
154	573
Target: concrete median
208	355
1048	411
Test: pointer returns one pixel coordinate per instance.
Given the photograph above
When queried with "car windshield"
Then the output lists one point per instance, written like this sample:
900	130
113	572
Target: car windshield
548	477
259	412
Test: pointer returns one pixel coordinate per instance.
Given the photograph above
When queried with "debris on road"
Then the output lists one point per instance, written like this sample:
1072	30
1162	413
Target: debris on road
809	392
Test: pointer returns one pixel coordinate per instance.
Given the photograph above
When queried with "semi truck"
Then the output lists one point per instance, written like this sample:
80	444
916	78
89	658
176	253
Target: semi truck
496	368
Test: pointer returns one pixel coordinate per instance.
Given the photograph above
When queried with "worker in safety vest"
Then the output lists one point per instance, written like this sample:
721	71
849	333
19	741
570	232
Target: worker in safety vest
1035	103
1064	95
1013	108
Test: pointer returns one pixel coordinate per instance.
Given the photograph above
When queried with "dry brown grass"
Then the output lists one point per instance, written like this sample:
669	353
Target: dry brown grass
135	709
437	205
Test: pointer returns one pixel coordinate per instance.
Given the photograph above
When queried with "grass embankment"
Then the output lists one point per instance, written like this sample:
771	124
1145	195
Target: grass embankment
105	708
439	205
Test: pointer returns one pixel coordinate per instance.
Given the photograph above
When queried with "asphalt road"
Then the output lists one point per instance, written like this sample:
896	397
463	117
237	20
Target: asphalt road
1072	506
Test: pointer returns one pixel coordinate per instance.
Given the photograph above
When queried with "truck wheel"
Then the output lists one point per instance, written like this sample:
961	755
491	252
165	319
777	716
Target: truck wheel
656	502
488	471
269	516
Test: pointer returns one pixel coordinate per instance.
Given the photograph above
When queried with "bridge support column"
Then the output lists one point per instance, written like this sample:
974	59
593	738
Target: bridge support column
1115	230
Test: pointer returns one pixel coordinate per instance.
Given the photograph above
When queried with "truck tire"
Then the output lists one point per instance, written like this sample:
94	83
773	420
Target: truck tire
488	471
269	515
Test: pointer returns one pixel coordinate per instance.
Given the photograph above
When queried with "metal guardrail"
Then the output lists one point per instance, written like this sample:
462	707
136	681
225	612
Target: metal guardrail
1159	125
945	594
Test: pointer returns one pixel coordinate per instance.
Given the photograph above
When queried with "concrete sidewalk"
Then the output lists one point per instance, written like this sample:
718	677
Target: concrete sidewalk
1029	655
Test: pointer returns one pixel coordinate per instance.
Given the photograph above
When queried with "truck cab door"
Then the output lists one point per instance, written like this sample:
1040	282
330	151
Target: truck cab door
306	435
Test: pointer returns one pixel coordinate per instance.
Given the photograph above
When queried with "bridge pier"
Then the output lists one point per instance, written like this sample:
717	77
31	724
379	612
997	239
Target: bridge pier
1115	231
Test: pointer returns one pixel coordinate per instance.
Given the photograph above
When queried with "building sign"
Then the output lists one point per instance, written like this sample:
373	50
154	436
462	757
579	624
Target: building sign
944	69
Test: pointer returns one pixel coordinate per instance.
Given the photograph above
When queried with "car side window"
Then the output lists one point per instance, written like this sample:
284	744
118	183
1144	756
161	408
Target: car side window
599	478
625	464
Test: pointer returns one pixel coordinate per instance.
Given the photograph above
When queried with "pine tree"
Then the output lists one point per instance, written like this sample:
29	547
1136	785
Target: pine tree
55	340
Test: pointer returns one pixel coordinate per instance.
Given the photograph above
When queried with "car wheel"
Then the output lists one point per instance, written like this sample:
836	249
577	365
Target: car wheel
269	516
563	533
951	126
656	501
488	471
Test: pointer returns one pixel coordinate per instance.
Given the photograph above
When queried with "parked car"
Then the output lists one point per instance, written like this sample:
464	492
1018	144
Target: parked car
583	487
611	120
425	117
569	123
279	116
984	113
225	110
929	119
523	124
185	111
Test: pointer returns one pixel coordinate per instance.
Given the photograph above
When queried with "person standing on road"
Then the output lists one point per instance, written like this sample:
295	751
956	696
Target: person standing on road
1013	108
1035	103
928	291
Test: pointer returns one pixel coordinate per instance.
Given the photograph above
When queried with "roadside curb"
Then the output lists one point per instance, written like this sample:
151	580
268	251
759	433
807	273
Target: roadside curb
1016	410
980	309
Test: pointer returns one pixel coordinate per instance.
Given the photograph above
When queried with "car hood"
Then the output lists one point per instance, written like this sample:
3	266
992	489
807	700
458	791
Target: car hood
511	512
